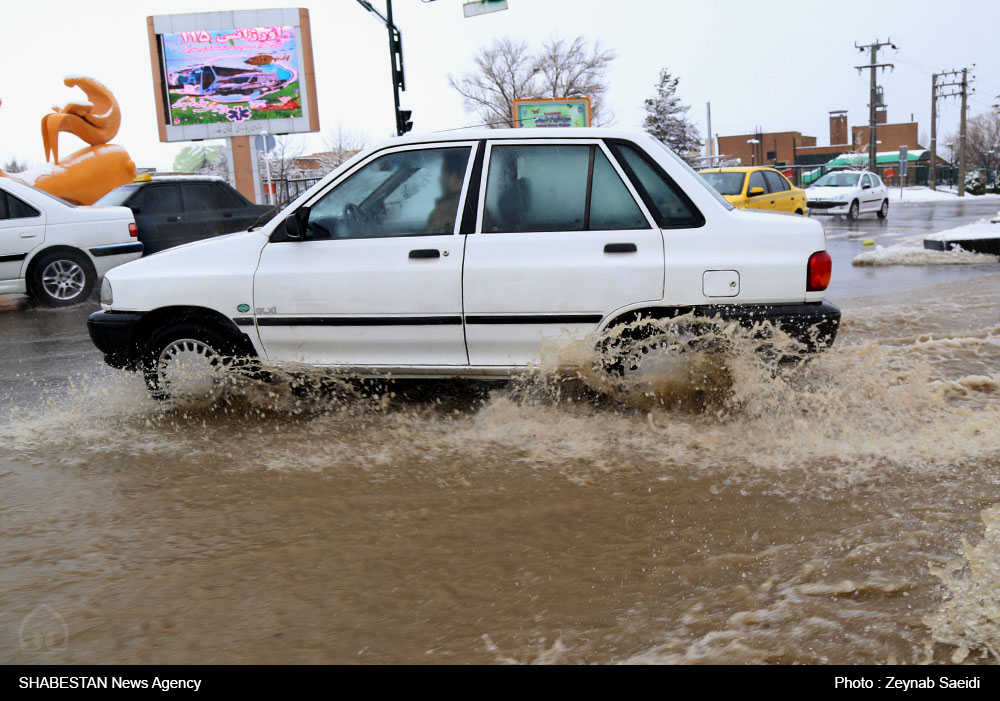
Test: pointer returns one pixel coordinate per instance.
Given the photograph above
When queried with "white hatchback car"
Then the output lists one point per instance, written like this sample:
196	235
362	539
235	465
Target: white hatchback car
458	255
56	251
850	192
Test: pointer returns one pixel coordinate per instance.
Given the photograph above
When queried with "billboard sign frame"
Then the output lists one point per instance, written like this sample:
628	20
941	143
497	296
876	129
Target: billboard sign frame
234	94
562	112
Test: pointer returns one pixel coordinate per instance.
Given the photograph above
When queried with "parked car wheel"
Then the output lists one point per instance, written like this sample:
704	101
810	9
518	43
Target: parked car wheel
855	211
62	278
187	359
883	211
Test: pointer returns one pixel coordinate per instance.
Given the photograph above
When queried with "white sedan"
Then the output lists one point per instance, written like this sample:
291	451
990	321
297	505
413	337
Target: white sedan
849	192
55	251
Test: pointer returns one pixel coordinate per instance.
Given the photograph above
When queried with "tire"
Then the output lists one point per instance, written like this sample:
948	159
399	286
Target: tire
799	212
62	278
854	212
188	358
883	211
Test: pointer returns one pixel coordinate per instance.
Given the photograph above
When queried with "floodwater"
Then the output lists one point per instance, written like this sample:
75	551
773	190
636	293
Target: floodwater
837	511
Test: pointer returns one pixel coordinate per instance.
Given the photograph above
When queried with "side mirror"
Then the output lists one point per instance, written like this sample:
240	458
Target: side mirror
866	186
297	223
754	191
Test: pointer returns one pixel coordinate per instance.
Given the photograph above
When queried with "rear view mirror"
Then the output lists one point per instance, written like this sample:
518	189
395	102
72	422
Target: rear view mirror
754	191
297	223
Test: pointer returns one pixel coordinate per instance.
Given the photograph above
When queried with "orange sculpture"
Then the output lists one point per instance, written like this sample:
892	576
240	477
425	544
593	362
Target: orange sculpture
85	175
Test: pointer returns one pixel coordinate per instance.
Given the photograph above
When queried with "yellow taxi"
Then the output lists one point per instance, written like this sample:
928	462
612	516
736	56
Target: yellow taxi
757	188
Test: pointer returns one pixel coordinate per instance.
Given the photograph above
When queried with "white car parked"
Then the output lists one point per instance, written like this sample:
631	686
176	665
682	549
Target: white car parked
457	255
56	251
850	192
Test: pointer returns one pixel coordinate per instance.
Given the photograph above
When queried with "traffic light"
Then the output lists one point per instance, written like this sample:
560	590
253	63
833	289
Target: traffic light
404	121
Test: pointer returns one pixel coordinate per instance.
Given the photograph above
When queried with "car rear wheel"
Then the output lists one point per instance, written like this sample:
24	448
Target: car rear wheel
854	211
62	278
883	211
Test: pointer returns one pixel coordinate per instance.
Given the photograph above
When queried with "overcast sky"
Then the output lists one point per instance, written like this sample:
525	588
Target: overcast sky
781	65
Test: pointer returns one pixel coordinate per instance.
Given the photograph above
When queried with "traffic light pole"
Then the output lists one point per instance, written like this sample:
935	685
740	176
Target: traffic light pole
403	123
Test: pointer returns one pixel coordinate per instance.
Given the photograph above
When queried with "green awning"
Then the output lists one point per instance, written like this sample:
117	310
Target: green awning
882	158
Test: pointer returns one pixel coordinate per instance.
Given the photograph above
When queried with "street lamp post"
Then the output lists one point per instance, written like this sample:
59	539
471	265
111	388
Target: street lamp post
403	123
753	149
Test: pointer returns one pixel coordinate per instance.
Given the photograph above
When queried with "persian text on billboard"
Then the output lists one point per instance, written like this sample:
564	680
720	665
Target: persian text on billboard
232	75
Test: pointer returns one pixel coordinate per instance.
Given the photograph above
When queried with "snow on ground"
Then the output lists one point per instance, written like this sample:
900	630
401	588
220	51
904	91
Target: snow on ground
925	194
982	229
913	253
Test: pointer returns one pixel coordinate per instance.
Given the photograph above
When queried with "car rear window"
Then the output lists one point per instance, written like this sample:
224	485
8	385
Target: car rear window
117	197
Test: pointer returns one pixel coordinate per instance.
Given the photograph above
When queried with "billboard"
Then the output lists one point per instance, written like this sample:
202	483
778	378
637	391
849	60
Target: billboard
223	74
552	112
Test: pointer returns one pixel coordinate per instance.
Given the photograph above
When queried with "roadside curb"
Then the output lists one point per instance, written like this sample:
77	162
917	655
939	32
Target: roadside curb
990	245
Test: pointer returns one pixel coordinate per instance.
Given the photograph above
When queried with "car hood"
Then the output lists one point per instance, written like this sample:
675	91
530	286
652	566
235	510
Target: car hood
205	273
819	193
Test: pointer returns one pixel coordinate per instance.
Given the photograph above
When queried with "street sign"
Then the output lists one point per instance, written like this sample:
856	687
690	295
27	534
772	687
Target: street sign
903	151
264	142
481	7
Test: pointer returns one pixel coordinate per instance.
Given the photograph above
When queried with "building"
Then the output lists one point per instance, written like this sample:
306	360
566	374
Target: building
795	148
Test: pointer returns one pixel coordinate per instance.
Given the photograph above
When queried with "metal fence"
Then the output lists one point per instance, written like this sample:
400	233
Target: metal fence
288	189
917	174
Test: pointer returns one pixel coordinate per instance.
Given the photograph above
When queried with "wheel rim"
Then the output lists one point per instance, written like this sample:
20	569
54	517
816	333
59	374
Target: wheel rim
188	367
855	209
63	279
885	208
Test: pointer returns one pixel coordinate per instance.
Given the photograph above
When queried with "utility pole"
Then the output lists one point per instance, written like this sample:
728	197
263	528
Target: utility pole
937	87
873	64
961	133
709	147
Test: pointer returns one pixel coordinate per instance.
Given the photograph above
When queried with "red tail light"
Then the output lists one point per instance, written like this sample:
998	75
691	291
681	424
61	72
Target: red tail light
133	230
818	271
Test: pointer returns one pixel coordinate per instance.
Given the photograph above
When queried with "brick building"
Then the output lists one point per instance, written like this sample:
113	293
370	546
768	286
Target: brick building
795	148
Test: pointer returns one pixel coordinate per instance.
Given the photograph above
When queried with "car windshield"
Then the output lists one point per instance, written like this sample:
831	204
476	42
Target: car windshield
117	196
697	176
837	180
726	183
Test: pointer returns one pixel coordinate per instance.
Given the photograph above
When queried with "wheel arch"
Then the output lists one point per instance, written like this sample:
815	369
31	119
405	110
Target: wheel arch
157	319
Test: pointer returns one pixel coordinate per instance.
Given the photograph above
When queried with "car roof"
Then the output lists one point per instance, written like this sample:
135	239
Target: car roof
736	169
179	178
477	134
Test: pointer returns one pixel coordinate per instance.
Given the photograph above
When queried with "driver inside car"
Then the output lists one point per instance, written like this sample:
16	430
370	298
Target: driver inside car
442	217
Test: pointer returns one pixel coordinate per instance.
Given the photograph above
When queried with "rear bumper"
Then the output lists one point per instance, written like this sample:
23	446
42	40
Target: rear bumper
813	324
112	333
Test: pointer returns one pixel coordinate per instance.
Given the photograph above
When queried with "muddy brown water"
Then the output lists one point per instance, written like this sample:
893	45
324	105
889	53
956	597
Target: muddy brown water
841	511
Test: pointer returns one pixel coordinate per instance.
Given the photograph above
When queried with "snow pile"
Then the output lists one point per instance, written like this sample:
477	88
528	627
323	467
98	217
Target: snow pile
982	229
925	194
913	253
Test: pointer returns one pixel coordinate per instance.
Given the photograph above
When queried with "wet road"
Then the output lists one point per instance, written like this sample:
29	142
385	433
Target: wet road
814	516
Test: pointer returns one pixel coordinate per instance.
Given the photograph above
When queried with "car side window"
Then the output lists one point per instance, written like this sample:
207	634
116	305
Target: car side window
229	198
756	180
13	208
406	193
775	183
866	180
540	188
202	197
668	204
157	199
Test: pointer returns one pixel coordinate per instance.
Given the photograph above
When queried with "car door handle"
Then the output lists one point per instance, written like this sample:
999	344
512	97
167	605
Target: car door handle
620	248
27	235
173	218
227	215
425	253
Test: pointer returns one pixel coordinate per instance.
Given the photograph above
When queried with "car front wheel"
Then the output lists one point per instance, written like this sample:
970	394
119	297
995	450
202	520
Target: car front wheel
854	211
187	359
62	278
883	211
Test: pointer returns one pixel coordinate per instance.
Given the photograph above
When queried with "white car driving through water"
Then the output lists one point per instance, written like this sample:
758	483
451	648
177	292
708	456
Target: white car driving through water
850	192
55	251
460	254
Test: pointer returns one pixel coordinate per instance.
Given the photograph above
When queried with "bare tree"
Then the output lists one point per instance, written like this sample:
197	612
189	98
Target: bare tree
14	166
341	144
508	69
505	71
284	156
982	140
576	69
